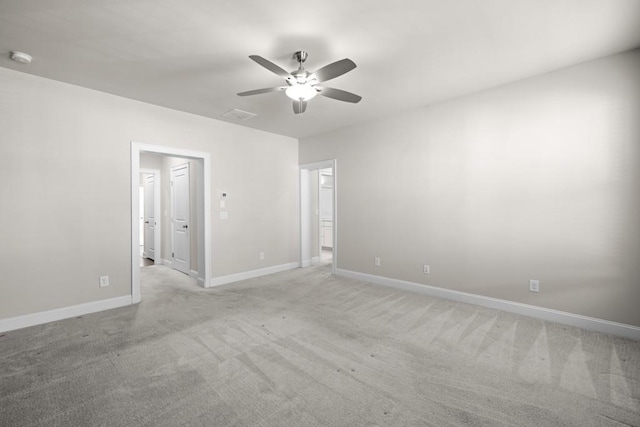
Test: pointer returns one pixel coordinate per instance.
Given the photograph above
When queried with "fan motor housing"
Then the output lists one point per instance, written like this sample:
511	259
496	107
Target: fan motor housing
301	76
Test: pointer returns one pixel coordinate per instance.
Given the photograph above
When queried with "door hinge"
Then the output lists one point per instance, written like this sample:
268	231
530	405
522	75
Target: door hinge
172	255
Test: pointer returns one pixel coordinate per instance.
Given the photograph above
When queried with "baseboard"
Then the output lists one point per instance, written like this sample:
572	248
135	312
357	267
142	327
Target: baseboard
309	262
201	282
196	275
24	321
584	322
223	280
166	262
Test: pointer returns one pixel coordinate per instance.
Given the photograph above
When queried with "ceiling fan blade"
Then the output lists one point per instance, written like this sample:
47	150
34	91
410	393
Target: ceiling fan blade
334	70
270	66
299	106
340	95
259	91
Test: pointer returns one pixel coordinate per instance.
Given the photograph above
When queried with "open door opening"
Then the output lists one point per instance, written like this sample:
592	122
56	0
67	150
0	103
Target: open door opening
325	216
318	220
198	265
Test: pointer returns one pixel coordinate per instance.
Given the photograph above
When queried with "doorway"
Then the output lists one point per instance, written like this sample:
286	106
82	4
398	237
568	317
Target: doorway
202	207
318	214
325	217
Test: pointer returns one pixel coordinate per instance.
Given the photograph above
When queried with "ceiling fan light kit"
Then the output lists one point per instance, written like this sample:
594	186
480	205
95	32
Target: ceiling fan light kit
303	85
301	92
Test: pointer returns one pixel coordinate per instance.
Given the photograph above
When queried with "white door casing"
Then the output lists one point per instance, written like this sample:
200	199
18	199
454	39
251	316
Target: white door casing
180	242
150	221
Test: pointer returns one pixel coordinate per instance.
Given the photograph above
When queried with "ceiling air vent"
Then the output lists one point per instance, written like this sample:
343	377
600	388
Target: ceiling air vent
240	115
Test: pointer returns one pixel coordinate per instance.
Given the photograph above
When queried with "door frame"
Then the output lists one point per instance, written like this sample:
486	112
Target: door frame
157	235
203	205
304	252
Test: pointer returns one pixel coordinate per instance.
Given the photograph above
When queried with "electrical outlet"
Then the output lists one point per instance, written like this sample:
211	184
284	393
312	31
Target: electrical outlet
261	256
376	261
426	269
104	281
534	285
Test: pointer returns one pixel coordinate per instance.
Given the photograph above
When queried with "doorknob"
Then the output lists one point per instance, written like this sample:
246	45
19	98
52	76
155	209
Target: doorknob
185	226
146	222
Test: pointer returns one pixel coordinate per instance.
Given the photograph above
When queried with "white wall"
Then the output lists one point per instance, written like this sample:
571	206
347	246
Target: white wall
538	179
62	230
150	161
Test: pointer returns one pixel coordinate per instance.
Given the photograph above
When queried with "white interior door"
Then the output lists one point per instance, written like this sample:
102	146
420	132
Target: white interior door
141	211
150	221
180	218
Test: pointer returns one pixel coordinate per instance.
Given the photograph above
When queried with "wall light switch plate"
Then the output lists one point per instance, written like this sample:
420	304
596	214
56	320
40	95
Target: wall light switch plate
376	262
104	281
534	285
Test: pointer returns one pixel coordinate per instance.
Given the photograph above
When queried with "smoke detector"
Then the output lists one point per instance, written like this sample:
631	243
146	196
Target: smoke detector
21	57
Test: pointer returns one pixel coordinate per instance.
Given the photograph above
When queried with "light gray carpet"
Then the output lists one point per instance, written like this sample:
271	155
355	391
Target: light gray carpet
303	348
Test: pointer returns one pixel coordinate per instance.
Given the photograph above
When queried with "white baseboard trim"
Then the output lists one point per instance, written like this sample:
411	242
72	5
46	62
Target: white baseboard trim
309	262
193	274
236	277
166	262
577	320
24	321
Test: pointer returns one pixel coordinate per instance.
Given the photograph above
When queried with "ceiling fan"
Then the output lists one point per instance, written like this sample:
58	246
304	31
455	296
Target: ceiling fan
303	85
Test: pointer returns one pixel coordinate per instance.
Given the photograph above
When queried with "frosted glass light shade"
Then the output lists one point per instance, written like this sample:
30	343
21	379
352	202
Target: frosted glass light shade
299	92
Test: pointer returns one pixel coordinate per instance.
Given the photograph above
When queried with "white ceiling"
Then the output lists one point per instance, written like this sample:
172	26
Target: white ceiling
192	55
